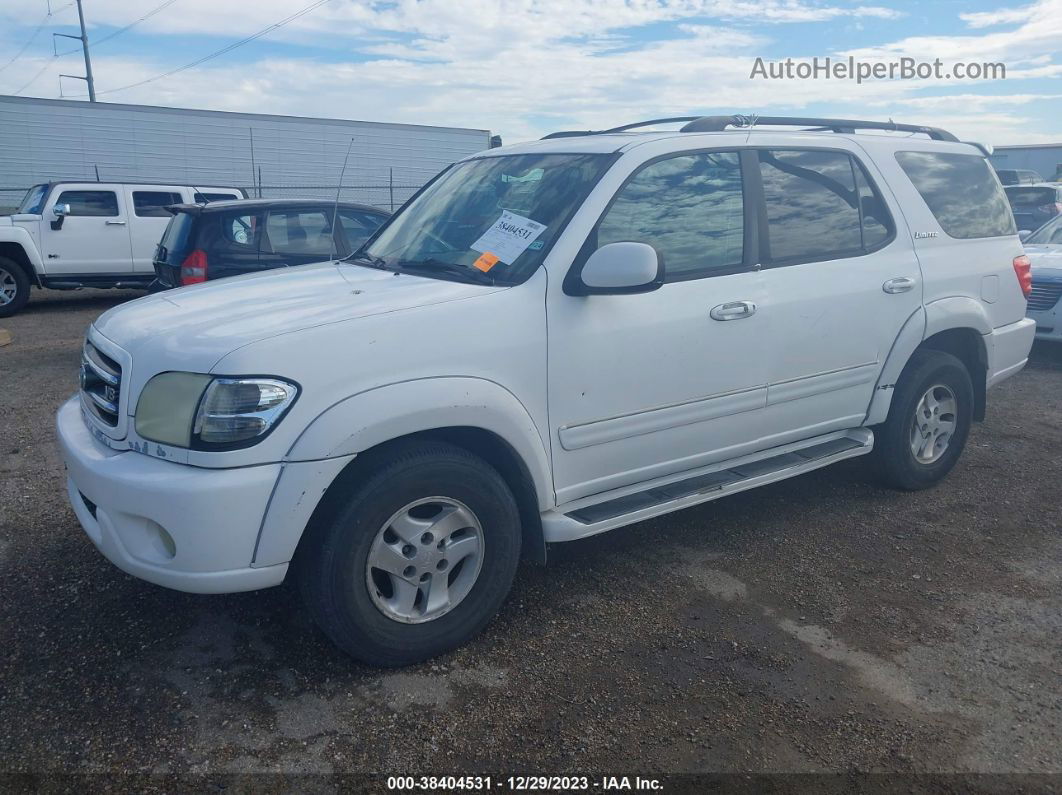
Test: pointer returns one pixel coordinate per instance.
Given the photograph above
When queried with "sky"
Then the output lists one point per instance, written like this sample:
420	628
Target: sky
522	68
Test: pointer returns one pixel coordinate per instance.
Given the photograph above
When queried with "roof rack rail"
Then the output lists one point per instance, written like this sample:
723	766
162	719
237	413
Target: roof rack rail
621	128
720	123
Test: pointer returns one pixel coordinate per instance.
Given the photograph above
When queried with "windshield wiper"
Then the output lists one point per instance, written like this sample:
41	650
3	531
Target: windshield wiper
432	265
368	260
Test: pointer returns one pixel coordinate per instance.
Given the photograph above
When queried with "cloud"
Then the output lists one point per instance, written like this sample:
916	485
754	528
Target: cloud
524	67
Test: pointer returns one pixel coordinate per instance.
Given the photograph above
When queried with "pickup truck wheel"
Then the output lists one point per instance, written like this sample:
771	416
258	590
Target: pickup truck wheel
14	287
928	423
416	560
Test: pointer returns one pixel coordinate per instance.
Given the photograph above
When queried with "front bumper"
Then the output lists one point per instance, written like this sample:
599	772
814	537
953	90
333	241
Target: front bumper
179	526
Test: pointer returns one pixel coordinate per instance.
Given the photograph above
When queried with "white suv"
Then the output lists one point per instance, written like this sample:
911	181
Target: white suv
548	341
68	235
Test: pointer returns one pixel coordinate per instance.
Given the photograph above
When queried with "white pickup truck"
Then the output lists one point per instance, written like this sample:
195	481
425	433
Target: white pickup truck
66	235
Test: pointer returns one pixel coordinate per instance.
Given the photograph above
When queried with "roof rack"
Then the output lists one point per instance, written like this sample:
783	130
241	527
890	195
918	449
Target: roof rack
622	128
720	123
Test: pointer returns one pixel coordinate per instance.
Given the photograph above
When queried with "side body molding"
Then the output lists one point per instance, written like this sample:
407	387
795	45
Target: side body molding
378	415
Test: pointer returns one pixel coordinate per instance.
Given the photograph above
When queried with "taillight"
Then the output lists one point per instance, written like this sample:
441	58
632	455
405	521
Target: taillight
194	268
1023	270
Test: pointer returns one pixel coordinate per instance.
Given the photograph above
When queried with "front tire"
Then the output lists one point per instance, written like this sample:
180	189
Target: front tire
928	424
14	287
415	559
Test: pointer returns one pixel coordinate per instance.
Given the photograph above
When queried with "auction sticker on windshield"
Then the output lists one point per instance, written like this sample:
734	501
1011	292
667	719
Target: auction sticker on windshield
509	237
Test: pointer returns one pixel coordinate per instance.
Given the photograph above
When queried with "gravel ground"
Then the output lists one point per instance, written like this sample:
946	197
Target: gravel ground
822	624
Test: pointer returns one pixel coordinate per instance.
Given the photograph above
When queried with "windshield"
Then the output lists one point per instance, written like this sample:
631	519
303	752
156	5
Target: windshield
33	200
1049	233
490	219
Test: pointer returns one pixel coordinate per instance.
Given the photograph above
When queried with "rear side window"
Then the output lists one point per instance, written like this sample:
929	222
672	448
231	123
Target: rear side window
152	203
689	208
300	232
90	202
1032	197
820	205
962	193
239	229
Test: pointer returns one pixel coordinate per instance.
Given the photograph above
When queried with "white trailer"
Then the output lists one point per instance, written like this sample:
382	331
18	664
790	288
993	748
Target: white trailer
43	140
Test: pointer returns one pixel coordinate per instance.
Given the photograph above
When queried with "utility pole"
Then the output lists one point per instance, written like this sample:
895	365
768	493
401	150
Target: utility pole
85	48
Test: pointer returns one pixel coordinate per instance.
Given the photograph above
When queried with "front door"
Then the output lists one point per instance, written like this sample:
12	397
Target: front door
93	238
647	385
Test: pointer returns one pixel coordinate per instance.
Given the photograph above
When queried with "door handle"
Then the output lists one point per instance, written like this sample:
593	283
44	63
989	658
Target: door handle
115	223
733	310
900	284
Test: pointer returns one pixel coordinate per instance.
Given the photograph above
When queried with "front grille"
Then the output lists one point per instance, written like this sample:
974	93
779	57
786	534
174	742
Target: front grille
1044	295
101	384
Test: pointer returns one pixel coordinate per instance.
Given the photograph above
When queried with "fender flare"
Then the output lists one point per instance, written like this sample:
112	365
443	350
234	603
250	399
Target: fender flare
362	421
383	413
23	239
956	312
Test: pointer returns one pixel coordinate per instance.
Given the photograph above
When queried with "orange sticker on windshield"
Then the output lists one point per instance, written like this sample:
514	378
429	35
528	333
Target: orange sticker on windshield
485	262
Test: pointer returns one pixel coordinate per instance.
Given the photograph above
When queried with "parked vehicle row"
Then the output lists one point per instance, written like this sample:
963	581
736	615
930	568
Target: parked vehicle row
68	235
1034	205
548	341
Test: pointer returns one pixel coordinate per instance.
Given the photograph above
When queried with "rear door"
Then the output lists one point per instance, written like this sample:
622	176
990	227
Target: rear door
148	220
841	286
94	238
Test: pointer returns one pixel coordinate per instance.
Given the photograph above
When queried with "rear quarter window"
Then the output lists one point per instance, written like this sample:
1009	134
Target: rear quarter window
961	191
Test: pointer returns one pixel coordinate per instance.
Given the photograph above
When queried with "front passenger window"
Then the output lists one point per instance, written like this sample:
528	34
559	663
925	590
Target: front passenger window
689	208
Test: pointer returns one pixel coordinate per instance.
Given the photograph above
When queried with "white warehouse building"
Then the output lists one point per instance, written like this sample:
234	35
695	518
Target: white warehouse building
52	139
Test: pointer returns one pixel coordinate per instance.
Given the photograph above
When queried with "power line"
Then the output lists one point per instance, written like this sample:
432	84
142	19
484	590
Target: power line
120	31
223	50
33	36
96	43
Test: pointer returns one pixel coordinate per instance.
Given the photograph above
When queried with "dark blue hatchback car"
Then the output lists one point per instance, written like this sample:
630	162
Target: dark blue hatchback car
230	238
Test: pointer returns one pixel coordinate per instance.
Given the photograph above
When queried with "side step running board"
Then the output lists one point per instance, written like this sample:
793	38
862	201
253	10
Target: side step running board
736	476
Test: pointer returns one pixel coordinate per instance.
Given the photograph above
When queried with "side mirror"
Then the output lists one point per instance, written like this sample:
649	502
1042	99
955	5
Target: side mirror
1023	234
621	268
60	211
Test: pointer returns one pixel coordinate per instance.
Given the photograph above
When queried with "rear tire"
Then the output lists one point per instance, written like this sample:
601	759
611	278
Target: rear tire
430	521
14	287
929	421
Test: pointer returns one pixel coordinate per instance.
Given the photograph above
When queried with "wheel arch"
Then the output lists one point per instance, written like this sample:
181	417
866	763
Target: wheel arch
478	415
15	251
957	328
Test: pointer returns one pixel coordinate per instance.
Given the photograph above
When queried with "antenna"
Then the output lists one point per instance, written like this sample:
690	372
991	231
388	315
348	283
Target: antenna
335	208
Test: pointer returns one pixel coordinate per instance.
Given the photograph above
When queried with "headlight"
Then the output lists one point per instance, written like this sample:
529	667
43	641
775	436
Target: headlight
207	413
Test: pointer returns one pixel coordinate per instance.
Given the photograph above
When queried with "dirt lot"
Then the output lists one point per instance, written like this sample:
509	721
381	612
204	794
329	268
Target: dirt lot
821	624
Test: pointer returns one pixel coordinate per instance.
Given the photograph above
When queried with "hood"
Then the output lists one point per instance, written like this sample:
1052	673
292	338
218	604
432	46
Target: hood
202	323
6	220
1046	260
